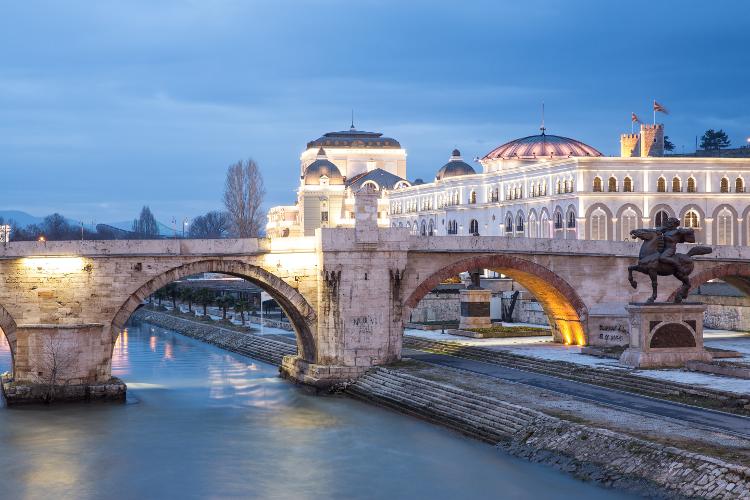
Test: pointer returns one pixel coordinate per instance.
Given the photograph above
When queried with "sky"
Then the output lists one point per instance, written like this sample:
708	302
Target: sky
109	106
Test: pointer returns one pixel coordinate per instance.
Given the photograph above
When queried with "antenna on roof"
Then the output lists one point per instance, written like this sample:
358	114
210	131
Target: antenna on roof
352	128
542	128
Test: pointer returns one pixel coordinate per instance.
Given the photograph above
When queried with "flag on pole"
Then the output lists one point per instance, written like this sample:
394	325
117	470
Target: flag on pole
661	109
634	118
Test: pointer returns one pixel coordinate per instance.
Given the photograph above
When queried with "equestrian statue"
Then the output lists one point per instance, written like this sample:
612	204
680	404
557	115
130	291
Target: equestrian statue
659	257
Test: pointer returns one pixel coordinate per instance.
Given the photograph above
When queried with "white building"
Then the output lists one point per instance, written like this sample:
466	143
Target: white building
332	168
547	186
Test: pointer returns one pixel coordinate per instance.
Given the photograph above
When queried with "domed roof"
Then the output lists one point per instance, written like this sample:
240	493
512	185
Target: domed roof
541	146
320	167
354	138
456	166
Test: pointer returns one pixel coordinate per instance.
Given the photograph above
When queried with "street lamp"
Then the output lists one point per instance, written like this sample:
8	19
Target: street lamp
184	225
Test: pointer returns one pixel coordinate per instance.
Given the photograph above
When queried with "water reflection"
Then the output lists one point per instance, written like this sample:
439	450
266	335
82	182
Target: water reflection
212	424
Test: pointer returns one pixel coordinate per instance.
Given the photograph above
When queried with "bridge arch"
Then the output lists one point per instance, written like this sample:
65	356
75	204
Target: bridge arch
8	327
301	315
736	274
566	311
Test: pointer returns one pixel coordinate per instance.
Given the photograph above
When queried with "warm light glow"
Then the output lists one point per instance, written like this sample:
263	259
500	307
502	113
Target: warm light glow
54	264
42	238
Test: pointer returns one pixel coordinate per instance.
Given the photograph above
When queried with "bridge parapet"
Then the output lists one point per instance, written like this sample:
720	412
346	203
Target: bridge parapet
94	248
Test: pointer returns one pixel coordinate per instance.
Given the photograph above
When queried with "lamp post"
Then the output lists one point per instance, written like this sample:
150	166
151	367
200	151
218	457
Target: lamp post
184	225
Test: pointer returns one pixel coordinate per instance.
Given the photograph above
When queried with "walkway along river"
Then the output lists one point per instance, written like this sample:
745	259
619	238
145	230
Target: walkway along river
201	422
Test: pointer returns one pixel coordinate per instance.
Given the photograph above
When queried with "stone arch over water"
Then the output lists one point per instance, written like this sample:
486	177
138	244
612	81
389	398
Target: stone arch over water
301	315
566	311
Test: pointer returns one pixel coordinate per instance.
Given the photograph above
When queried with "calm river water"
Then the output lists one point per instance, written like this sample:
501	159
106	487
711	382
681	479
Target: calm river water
204	423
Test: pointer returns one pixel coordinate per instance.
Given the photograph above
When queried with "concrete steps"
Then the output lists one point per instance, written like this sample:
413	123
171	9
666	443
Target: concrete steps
481	417
596	376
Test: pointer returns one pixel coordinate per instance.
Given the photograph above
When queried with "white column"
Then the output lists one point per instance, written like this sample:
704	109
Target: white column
708	227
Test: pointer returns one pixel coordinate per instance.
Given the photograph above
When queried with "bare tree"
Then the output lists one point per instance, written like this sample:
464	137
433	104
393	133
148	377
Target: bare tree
243	197
213	224
145	226
58	357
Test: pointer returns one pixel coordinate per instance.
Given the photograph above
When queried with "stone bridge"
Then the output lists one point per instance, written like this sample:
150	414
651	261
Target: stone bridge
347	291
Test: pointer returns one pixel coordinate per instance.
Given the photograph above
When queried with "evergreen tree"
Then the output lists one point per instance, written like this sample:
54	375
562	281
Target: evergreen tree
668	145
715	140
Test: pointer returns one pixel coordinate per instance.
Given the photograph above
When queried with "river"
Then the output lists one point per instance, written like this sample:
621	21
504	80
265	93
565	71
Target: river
204	423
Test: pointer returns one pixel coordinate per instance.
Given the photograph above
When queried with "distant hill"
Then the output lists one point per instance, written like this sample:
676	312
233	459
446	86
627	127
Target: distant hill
21	218
24	219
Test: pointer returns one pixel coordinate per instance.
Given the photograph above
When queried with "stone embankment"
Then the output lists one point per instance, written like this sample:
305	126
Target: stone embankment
610	458
247	344
620	380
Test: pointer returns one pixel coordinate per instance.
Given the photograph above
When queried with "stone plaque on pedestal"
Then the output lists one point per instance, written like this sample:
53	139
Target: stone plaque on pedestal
665	335
475	308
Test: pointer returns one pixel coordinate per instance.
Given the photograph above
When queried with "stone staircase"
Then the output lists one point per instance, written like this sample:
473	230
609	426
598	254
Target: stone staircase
475	415
615	379
611	458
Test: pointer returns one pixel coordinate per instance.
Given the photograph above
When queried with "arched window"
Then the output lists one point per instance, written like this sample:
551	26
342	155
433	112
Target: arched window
724	187
558	220
473	197
568	186
545	226
661	218
691	185
739	185
474	227
571	220
661	185
598	225
423	229
557	187
509	224
691	219
431	228
676	185
612	185
533	226
629	221
725	224
597	184
519	223
627	185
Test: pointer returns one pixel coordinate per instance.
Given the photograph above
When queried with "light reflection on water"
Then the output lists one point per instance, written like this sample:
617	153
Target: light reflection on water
207	423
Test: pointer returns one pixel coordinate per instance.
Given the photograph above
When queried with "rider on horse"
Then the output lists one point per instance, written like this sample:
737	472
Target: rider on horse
669	235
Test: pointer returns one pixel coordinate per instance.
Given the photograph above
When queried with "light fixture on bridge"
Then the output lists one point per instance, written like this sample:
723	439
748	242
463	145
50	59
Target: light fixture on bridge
56	264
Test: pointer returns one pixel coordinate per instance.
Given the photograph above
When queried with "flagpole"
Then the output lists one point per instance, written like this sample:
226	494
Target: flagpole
654	106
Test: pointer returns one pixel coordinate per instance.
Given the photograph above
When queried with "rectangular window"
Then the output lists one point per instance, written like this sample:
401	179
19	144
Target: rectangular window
324	216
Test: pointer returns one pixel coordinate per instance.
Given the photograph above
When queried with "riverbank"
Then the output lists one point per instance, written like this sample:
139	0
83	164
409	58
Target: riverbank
614	447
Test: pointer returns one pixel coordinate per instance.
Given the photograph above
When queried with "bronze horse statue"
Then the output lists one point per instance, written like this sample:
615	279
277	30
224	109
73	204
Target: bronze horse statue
658	256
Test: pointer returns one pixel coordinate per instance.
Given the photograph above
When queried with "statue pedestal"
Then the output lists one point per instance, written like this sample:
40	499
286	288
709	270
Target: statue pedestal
665	335
475	309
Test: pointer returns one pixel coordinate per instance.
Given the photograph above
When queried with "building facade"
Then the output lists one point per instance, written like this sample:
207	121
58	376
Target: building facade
541	186
332	168
547	186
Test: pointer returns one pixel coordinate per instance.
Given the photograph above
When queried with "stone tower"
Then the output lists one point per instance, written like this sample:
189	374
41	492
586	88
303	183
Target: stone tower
652	140
630	145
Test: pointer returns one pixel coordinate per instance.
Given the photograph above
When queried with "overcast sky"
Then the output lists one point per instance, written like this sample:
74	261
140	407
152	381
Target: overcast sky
107	106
